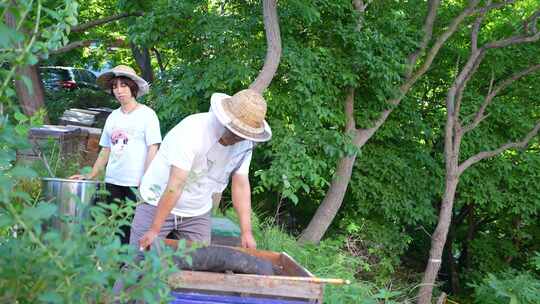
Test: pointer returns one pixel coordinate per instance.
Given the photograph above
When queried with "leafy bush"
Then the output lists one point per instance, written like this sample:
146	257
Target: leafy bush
79	264
326	260
508	287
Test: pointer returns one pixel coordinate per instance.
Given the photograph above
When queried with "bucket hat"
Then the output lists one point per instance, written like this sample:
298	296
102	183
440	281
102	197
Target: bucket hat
104	80
243	114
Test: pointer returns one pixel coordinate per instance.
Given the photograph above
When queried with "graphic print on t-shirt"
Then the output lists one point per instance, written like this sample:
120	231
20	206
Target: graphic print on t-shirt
119	142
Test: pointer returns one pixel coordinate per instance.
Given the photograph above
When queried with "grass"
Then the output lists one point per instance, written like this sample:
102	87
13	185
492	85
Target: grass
328	259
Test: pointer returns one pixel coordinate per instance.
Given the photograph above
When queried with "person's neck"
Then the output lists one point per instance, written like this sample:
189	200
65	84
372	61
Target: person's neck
129	106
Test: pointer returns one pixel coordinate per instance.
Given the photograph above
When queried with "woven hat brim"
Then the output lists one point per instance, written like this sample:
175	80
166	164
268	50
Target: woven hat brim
104	81
216	103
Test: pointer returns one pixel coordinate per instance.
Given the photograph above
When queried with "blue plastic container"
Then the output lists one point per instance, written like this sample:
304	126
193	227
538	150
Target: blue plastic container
198	298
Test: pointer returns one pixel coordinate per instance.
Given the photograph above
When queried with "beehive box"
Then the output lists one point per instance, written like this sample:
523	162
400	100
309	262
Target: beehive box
67	141
102	115
296	285
79	117
91	145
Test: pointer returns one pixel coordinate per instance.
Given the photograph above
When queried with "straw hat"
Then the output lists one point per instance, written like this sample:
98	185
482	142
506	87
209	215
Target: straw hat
104	80
243	114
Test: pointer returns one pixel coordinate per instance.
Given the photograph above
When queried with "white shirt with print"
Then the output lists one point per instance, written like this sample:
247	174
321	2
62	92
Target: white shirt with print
193	146
128	136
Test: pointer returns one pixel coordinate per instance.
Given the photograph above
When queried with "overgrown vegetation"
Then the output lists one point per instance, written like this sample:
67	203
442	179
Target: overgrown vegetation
81	262
393	198
58	101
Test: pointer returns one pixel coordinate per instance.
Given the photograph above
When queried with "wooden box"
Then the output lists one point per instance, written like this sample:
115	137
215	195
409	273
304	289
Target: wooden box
297	285
78	117
91	145
64	140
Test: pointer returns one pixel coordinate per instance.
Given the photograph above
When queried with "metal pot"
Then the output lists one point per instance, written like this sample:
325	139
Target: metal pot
72	197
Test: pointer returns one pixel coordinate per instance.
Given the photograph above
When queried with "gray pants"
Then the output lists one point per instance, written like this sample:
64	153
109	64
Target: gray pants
195	228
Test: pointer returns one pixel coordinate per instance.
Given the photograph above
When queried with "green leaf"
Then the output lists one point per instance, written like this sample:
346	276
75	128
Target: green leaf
10	92
27	83
513	299
5	220
6	157
41	211
51	297
9	38
23	172
32	59
51	13
20	117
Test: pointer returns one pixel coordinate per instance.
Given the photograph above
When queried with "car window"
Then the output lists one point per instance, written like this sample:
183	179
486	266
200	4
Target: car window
91	77
79	76
54	75
85	75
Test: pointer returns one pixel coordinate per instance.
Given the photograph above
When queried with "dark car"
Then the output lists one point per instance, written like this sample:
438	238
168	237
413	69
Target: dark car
67	78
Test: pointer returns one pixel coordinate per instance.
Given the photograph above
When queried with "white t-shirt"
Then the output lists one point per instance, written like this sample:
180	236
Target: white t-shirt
128	136
193	145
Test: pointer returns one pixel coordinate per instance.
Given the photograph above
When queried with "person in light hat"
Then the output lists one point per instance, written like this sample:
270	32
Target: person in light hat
196	159
129	140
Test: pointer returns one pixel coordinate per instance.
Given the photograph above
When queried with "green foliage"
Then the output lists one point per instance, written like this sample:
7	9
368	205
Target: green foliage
57	102
330	260
509	287
82	263
397	183
38	27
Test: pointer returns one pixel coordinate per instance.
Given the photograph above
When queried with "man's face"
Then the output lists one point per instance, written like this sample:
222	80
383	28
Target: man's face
229	138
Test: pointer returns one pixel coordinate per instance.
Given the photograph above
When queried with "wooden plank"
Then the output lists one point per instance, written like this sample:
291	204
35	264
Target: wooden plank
271	256
249	284
292	268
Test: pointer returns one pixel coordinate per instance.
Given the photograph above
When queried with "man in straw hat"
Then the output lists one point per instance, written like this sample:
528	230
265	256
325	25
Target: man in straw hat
196	159
129	139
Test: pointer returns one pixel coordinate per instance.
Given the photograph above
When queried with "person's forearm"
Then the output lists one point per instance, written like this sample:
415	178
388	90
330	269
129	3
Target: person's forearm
241	196
164	208
150	154
100	163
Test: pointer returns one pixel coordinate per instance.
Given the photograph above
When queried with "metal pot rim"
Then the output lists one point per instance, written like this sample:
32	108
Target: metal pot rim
55	179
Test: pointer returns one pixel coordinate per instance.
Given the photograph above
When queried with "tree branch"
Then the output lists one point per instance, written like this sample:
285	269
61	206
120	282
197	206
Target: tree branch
273	52
530	23
476	27
84	26
350	124
438	45
428	32
486	154
468	71
531	34
71	46
360	6
490	6
493	92
159	59
365	134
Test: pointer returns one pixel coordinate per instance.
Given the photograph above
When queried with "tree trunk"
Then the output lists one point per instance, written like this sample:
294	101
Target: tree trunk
273	49
30	100
464	258
332	202
338	187
142	57
159	60
452	267
438	239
